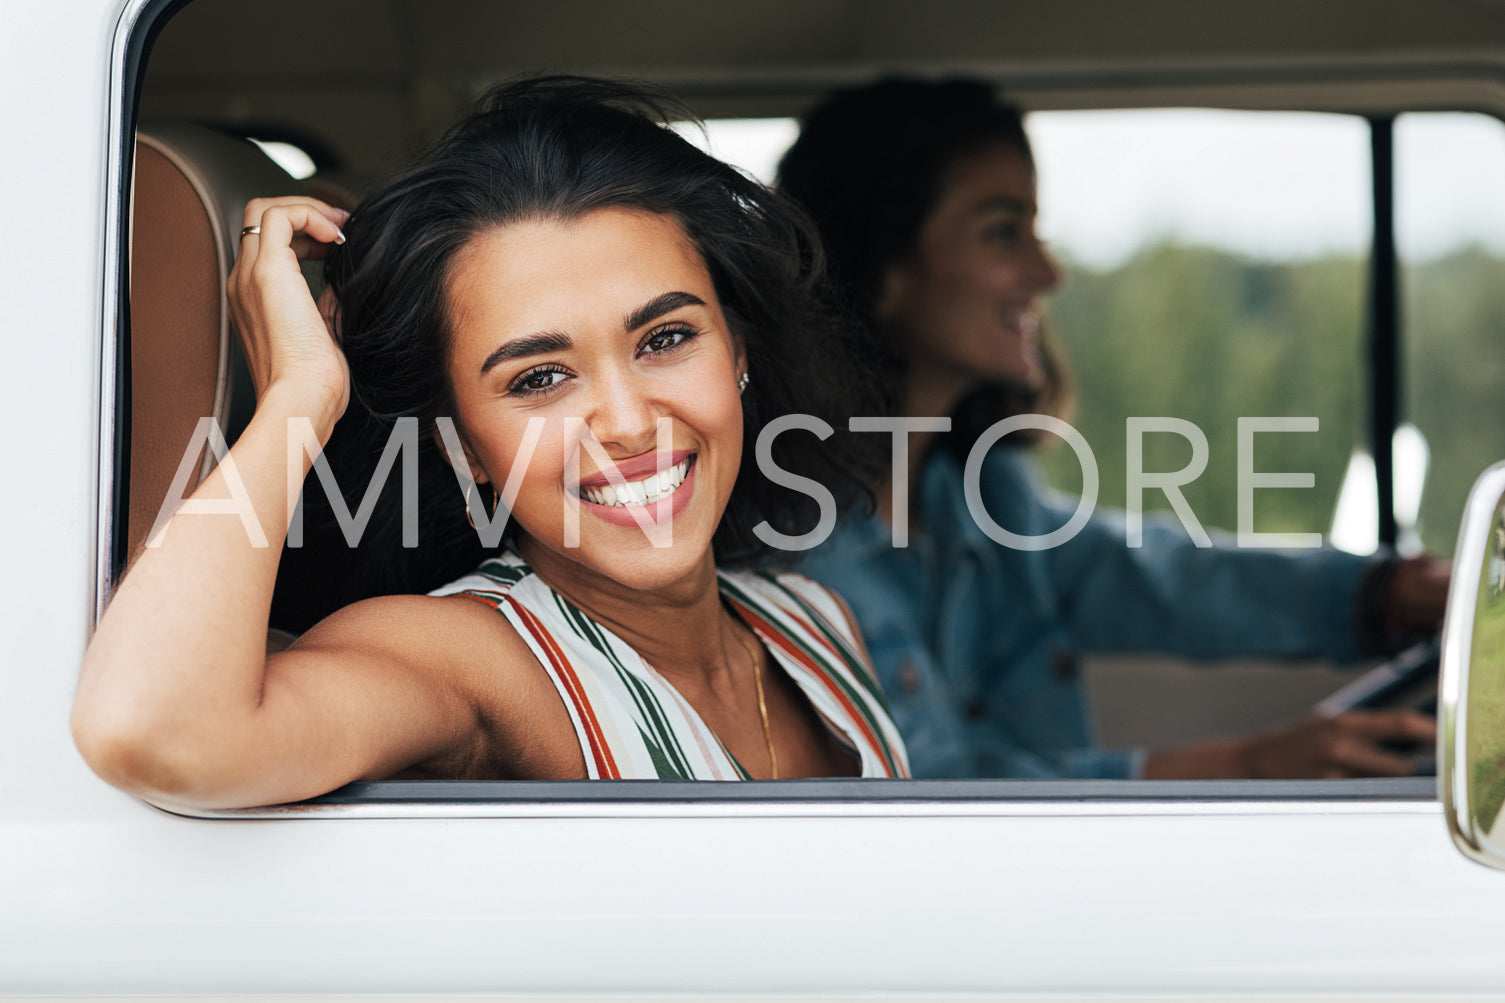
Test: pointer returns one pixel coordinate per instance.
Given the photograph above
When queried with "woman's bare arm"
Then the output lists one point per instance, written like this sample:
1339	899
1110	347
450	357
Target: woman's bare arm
178	699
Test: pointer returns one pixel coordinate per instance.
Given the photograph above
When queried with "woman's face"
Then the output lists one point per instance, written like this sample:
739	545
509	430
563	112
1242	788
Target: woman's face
610	322
964	306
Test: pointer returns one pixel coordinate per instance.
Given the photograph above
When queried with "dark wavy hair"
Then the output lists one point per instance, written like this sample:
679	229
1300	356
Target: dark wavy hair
558	148
869	166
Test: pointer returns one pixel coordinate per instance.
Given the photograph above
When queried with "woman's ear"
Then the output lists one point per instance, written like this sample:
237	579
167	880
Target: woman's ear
329	310
477	472
894	286
739	355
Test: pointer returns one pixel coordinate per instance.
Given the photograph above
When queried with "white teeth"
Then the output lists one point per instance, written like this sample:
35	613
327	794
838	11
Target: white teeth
653	488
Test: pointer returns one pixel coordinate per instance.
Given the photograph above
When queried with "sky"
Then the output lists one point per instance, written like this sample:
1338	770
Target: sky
1276	185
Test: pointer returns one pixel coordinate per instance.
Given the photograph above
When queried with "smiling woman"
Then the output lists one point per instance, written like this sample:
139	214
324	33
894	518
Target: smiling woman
618	356
608	318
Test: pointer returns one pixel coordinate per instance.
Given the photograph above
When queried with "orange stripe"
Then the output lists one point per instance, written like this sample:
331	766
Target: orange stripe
488	603
771	636
606	766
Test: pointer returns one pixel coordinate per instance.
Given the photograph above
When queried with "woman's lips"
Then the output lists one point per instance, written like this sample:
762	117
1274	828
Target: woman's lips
1024	321
636	468
644	501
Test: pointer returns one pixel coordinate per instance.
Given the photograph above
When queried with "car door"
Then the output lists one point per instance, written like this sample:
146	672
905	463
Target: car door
1046	890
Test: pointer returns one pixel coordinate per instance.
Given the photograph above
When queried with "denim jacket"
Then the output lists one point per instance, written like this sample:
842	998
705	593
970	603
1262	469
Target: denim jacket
979	646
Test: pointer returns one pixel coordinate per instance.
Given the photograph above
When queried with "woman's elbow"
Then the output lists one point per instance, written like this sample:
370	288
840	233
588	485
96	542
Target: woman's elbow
144	759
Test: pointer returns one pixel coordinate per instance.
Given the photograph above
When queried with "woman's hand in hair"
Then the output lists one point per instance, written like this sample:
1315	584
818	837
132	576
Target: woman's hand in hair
287	343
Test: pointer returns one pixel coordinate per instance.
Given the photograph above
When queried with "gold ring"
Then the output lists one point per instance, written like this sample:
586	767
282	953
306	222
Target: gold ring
248	230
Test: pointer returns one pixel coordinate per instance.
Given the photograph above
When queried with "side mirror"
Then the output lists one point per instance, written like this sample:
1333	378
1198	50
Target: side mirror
1471	694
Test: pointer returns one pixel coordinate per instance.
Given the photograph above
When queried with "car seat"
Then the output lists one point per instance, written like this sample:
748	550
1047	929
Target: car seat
188	192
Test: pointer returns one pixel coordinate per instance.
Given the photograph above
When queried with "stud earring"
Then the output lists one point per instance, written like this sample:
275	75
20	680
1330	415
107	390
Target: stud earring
743	381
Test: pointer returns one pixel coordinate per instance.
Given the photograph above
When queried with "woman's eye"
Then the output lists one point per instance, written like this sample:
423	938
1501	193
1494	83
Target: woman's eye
1004	234
666	339
537	381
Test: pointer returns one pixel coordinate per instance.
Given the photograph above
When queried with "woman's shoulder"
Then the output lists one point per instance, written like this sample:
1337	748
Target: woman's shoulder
431	632
452	632
455	648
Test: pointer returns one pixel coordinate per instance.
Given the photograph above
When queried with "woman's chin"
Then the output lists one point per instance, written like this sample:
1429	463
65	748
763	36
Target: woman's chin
1023	371
647	568
651	557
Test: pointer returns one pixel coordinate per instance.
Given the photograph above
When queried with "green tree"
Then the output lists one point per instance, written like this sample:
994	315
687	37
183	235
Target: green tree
1210	337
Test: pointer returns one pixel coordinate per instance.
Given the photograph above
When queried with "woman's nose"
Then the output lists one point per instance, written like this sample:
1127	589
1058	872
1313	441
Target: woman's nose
623	416
1045	268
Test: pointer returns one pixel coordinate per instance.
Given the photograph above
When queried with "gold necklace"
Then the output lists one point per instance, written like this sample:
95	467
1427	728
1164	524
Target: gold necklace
773	757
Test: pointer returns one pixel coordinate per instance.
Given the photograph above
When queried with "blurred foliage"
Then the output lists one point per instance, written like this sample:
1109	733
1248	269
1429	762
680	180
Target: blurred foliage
1455	378
1210	336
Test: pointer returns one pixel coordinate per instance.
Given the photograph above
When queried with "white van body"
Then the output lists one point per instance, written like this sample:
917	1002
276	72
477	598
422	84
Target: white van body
1155	897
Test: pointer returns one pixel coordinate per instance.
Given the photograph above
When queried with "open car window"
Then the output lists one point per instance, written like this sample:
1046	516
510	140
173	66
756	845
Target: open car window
1161	285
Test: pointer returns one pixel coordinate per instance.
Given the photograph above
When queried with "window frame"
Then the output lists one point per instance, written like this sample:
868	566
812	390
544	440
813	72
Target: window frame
1285	85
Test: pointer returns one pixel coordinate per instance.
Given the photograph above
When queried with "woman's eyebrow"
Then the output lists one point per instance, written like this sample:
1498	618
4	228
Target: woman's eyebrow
554	341
1006	203
528	344
658	306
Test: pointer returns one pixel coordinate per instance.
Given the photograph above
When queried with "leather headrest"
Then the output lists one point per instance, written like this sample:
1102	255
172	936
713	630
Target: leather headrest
189	191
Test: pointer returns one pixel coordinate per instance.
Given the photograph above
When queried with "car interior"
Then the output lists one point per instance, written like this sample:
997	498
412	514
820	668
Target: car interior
356	88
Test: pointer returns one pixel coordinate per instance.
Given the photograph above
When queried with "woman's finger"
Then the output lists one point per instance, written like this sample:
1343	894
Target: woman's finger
1376	743
1360	759
257	207
315	226
308	249
283	333
1389	725
280	224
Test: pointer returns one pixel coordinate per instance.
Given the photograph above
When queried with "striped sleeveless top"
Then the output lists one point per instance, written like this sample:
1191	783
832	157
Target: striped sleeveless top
633	724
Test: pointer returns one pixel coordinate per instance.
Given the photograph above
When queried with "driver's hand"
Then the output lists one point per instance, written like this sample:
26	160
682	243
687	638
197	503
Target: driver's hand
1417	593
1354	744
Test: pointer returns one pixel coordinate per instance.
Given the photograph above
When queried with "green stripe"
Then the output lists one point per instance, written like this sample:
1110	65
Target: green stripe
506	576
663	765
741	773
509	574
498	597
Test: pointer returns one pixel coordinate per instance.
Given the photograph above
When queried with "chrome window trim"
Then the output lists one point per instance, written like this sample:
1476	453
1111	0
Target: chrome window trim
110	318
119	123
